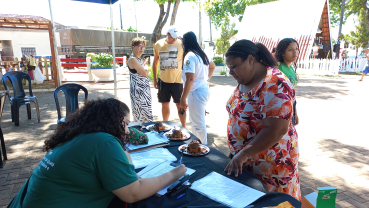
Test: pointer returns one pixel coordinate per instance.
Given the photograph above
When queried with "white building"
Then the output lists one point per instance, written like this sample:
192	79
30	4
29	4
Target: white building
27	42
25	35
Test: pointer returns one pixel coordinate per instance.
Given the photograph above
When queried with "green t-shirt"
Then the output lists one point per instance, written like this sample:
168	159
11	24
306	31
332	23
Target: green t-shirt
289	72
79	173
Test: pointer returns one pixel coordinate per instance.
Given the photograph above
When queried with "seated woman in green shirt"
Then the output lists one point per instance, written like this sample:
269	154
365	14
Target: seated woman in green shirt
86	164
287	53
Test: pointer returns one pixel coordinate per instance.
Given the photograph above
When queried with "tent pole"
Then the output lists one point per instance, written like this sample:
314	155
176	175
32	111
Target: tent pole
113	48
134	4
55	56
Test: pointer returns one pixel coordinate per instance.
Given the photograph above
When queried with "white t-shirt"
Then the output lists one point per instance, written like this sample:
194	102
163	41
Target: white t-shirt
194	64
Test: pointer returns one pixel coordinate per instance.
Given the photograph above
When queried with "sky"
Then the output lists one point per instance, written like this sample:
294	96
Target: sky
82	14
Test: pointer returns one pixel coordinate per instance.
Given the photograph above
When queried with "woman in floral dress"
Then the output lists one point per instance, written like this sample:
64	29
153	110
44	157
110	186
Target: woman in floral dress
260	134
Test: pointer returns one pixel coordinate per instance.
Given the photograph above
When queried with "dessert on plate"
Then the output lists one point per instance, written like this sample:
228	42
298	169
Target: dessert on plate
159	126
194	147
177	134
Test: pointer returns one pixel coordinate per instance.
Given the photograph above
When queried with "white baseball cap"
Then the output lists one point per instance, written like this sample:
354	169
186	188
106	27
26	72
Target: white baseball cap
173	31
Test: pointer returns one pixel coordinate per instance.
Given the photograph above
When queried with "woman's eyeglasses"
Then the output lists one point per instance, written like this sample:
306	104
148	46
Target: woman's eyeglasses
141	47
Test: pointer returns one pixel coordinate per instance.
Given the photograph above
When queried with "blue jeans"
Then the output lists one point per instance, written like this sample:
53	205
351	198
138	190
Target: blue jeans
197	101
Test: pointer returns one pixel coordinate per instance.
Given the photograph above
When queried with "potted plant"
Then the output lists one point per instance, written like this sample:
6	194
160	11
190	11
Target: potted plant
218	61
102	65
220	67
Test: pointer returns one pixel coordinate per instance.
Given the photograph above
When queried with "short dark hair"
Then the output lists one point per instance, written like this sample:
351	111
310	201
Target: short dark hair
101	115
137	41
244	48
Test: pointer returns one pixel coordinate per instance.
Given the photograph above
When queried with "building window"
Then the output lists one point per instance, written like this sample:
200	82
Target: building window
28	51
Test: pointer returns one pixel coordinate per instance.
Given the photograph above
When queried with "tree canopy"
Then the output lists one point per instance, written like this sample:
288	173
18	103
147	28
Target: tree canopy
360	37
352	7
222	44
220	9
163	16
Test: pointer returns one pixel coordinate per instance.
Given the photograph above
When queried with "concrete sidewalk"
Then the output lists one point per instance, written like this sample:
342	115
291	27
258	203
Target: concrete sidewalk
333	137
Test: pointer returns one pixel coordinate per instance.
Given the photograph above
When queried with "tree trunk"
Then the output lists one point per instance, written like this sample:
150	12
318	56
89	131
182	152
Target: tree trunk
367	17
163	17
174	14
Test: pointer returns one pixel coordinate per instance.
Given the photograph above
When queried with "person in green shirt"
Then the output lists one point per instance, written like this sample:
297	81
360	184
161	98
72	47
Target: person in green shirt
287	53
86	164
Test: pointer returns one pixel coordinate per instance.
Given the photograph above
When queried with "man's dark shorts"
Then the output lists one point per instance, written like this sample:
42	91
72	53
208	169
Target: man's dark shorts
168	90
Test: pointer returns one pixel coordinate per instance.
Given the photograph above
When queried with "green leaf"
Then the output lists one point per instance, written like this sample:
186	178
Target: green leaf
222	44
220	9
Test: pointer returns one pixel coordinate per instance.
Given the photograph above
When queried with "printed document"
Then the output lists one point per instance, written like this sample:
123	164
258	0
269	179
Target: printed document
226	191
144	158
159	168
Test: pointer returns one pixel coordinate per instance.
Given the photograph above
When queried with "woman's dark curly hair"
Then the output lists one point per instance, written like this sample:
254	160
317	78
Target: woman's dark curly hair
281	49
101	115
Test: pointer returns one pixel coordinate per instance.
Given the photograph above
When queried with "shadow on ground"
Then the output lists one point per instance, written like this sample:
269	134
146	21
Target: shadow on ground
21	139
225	81
354	156
319	92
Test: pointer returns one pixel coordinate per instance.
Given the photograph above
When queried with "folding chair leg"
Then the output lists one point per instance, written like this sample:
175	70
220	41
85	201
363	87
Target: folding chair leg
29	111
3	144
16	114
12	111
1	161
37	110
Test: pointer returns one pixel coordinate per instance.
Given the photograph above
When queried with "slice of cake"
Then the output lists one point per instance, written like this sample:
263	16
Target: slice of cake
159	126
194	147
177	134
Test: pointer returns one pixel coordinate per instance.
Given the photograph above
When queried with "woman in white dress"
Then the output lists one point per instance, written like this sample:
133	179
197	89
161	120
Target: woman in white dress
195	75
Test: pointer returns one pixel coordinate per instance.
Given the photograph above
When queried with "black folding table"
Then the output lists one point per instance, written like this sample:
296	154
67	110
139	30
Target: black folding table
214	161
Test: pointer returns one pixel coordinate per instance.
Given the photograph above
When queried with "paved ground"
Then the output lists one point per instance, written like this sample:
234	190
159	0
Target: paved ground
333	134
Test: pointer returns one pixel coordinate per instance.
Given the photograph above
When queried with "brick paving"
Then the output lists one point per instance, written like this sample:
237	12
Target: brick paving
333	135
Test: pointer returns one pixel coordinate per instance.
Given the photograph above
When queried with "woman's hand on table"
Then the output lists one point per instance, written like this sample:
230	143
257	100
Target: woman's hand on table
237	162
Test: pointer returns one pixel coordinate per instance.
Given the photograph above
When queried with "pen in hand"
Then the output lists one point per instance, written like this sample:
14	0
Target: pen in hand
180	196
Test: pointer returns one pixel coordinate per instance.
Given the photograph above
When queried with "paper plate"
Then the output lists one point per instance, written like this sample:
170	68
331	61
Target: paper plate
151	128
187	153
186	135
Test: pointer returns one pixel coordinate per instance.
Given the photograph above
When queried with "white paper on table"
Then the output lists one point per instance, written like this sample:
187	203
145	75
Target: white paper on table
226	191
144	158
154	139
158	168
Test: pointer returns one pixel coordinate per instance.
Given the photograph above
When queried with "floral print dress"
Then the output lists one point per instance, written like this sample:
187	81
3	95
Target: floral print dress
276	167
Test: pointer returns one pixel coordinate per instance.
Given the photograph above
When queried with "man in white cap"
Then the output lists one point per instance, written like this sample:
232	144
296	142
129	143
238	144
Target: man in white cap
169	52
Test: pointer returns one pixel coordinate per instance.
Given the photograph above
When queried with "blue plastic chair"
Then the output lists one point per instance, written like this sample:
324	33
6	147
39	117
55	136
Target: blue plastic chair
19	97
71	91
2	141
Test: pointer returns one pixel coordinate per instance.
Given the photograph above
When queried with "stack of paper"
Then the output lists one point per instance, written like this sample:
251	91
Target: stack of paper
154	139
146	157
226	191
159	168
